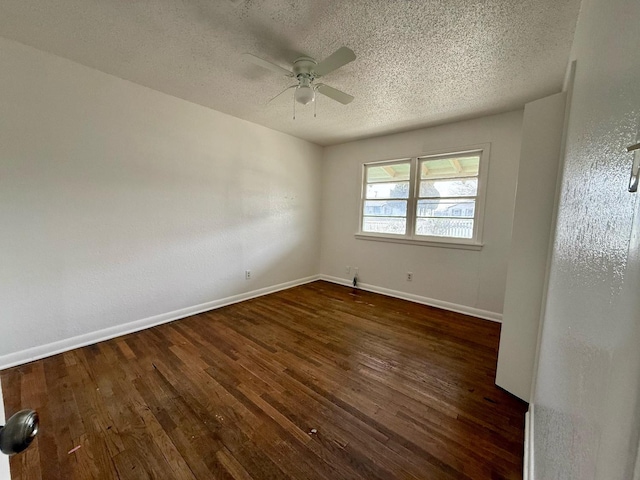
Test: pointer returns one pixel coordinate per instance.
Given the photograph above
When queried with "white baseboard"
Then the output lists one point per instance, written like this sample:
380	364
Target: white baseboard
42	351
453	307
527	473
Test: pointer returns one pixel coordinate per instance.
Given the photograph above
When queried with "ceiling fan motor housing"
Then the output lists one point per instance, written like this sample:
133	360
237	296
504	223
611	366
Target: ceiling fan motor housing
304	66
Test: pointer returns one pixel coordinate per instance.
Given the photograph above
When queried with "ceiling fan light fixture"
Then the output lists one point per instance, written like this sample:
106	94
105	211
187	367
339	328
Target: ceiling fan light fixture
304	94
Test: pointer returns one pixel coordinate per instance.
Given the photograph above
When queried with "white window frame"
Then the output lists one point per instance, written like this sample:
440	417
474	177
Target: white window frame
474	243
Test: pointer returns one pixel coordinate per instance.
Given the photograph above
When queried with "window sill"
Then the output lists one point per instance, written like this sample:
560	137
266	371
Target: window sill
426	243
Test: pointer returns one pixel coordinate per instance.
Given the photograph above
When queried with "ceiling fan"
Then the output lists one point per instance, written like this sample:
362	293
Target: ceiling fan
306	70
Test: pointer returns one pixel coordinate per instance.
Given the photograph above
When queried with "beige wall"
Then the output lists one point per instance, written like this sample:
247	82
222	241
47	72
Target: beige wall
470	281
587	391
119	203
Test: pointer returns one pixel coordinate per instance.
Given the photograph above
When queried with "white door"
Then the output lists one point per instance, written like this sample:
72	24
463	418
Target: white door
4	460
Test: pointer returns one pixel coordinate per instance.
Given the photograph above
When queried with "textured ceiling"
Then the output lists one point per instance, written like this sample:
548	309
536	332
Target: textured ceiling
418	62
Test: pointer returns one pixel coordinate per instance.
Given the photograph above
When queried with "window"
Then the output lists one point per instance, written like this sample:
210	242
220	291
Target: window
428	199
386	198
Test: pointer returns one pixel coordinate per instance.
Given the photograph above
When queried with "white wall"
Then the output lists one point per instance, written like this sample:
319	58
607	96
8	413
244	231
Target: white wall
542	129
471	280
119	203
587	391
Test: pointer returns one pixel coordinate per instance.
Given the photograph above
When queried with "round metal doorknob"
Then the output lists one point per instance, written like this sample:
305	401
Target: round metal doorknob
19	432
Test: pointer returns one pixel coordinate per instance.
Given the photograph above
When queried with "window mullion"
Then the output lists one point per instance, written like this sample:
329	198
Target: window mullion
363	197
412	200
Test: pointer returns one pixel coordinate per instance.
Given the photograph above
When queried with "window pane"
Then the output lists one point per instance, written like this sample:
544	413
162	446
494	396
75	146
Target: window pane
445	227
395	226
466	166
461	187
388	190
397	172
385	208
446	208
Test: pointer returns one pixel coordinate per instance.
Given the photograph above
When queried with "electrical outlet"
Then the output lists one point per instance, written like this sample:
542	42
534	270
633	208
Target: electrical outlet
409	276
355	271
347	270
247	274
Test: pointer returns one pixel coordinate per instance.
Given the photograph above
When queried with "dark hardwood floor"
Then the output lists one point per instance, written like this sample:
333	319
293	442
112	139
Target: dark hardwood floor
394	389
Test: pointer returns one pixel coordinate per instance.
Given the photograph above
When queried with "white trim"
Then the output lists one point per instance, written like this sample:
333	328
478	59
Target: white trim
568	89
636	468
5	474
54	348
527	473
453	307
414	241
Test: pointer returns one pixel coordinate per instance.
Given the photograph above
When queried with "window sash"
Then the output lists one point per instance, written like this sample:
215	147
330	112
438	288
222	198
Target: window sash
407	200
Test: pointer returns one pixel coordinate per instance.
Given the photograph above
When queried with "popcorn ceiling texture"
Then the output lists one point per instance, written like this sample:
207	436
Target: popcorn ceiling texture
418	63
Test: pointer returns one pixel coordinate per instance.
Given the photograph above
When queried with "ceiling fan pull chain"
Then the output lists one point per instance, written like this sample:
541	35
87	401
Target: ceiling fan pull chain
294	107
315	105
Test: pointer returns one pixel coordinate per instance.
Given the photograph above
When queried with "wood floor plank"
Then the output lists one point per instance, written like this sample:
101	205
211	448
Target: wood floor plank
391	389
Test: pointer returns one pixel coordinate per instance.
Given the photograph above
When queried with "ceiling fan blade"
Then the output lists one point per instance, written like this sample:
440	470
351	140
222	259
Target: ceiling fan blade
268	65
334	94
288	88
337	59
